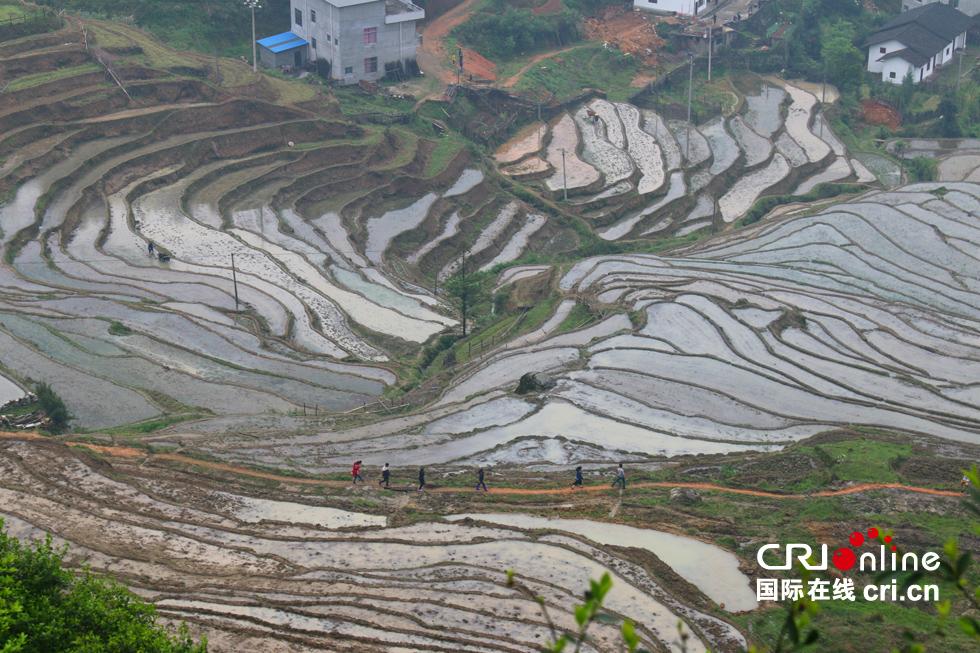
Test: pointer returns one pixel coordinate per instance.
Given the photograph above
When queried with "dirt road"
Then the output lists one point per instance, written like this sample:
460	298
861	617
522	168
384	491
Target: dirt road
128	452
432	57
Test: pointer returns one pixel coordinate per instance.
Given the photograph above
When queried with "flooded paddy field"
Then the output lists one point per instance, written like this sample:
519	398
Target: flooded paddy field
225	297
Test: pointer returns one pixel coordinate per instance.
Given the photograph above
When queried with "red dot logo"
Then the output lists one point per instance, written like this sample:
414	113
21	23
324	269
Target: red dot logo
888	538
894	548
872	533
857	539
844	559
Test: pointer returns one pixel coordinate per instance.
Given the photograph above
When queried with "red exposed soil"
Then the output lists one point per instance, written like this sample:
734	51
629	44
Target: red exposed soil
631	32
877	113
435	59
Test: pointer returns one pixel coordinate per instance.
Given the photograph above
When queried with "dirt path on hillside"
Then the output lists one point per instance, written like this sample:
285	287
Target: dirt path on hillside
129	452
432	57
541	57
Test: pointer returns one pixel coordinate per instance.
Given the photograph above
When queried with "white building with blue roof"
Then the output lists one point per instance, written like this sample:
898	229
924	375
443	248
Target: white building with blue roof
359	39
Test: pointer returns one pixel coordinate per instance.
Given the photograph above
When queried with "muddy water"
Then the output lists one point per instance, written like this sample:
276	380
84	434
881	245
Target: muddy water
527	141
382	230
9	390
711	569
250	509
466	182
762	113
19	212
577	172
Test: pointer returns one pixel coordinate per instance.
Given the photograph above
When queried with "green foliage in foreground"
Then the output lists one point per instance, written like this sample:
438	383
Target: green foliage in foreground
798	628
45	608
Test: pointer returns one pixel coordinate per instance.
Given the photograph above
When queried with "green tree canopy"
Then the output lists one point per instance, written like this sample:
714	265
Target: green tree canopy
45	608
842	61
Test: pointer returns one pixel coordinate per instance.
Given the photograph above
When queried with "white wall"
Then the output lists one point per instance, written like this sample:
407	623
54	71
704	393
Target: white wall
897	66
875	53
683	7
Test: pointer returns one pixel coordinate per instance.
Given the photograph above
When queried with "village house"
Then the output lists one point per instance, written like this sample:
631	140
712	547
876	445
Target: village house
968	7
679	7
919	40
358	39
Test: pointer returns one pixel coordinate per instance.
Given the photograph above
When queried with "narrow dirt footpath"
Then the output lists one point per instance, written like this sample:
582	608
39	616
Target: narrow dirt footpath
128	452
535	59
432	57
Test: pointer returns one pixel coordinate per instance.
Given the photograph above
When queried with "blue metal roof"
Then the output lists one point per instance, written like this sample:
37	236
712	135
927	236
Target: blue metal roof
288	45
278	39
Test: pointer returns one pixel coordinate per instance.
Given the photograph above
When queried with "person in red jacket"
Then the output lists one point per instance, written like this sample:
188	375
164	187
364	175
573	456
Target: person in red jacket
356	472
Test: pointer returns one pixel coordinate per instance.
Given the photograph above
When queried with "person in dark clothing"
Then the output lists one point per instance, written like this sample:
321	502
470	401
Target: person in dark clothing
421	478
384	475
150	247
620	476
480	482
578	477
356	472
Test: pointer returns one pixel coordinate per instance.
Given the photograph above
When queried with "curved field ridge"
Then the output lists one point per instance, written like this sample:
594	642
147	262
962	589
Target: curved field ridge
236	566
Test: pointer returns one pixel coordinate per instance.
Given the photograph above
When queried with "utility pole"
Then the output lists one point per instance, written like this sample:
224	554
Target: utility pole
709	52
960	76
253	5
690	87
234	278
564	180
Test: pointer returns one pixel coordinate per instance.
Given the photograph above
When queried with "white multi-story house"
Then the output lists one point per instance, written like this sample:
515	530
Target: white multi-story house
919	40
679	7
360	39
968	7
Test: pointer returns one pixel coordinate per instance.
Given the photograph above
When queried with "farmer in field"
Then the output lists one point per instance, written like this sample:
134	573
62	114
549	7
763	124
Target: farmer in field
150	247
578	477
620	476
356	472
480	482
421	478
963	484
384	475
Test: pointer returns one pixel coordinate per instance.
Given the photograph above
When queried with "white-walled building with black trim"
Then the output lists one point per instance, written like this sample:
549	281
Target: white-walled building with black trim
919	40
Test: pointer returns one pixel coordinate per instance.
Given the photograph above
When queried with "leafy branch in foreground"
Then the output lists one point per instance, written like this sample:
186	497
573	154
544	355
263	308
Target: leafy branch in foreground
585	615
46	607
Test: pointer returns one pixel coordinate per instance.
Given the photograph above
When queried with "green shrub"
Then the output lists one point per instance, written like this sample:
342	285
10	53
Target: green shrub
53	406
45	607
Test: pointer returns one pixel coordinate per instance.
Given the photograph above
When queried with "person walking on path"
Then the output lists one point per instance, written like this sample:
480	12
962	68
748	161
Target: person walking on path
963	484
480	482
356	472
150	247
620	476
578	477
385	474
421	478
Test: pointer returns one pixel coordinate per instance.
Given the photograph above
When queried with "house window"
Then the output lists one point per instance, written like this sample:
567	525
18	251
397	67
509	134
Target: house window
370	65
928	65
370	35
336	41
314	44
312	16
947	52
882	50
891	75
299	17
349	70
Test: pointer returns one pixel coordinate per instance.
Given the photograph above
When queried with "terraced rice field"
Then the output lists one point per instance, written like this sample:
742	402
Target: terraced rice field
194	248
264	574
616	152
